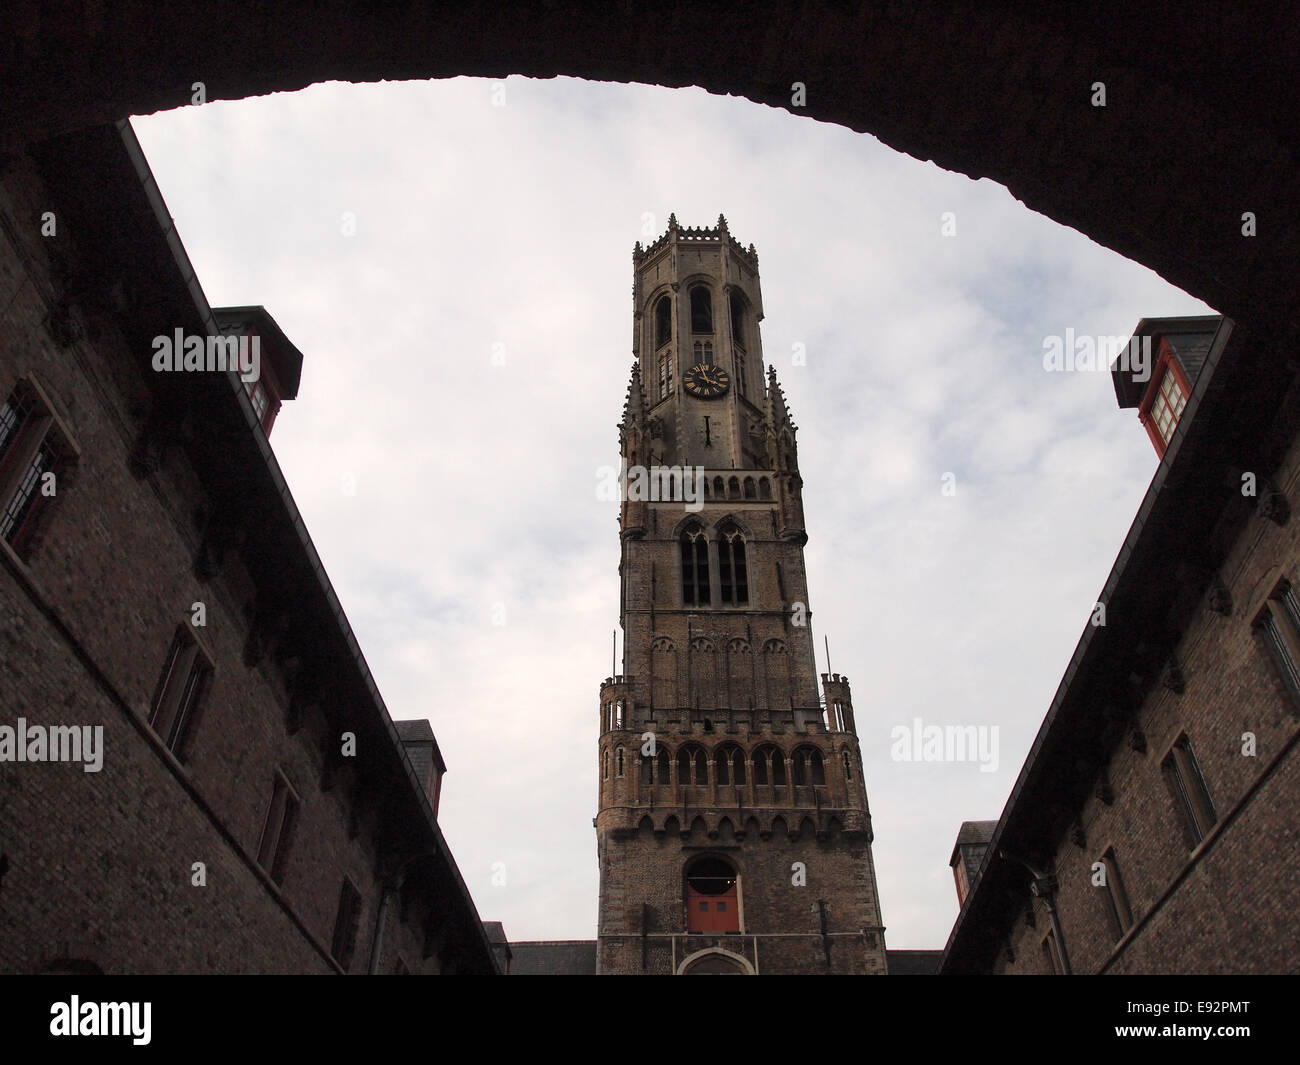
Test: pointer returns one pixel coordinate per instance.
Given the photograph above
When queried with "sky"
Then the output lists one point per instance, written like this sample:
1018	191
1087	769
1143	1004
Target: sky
454	259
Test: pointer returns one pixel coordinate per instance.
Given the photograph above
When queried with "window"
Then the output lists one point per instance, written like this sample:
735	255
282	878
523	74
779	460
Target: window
704	353
733	575
604	761
695	567
180	690
738	325
273	850
1168	405
764	488
665	374
701	310
848	765
729	766
739	367
692	767
1278	624
346	922
34	451
663	321
769	766
661	760
1117	904
618	760
259	397
1188	785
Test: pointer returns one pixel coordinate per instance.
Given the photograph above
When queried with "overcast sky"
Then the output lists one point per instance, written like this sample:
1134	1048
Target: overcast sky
495	217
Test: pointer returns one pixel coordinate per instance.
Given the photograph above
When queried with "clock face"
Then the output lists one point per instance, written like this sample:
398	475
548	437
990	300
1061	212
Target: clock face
707	382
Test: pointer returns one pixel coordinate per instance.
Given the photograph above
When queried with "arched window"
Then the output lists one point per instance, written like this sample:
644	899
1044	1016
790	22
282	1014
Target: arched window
807	767
701	310
695	567
733	488
729	765
751	491
719	489
692	767
769	766
764	488
647	770
848	765
661	760
706	487
733	573
619	761
663	321
737	320
604	758
711	894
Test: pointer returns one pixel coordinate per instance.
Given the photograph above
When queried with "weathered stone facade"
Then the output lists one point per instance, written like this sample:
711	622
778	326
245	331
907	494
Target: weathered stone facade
168	499
713	743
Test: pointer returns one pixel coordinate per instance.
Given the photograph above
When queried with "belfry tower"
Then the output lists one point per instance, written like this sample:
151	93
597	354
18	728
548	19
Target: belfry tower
733	830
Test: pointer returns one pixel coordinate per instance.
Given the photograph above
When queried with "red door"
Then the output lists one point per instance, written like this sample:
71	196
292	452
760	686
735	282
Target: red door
712	913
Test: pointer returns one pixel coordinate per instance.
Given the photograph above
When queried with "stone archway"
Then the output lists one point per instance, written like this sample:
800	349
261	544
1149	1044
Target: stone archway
715	962
1196	129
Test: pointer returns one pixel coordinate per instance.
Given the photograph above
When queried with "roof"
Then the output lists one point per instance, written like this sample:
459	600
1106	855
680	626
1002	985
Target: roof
914	962
972	833
1189	338
282	352
554	957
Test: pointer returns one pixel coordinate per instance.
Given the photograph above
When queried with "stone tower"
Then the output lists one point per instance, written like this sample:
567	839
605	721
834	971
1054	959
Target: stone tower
733	830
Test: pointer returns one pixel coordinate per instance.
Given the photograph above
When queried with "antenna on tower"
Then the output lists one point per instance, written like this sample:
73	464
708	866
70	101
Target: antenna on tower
828	654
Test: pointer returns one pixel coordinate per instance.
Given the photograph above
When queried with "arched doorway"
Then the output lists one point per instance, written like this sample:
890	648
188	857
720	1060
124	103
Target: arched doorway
715	962
712	896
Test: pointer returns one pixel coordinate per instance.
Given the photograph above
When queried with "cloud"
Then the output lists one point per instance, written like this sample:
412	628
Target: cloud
508	231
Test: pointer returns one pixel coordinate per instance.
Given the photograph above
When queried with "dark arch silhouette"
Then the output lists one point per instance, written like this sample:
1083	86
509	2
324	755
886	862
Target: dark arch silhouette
1162	173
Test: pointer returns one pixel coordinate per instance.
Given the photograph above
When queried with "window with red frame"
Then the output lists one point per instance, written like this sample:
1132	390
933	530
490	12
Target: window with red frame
1168	405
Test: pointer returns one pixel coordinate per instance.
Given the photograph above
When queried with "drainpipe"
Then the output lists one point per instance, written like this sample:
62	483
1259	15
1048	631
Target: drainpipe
1043	886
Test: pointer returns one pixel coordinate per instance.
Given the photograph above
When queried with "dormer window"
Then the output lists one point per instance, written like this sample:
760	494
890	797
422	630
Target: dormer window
258	396
1168	405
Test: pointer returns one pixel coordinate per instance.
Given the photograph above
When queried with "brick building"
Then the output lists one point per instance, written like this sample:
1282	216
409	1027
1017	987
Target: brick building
253	807
1152	828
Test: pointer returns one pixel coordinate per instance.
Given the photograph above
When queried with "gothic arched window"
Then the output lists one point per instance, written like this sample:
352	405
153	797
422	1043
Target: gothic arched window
807	768
751	491
764	488
729	765
701	310
692	767
769	766
733	572
604	758
848	765
619	761
737	320
695	567
663	321
661	760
